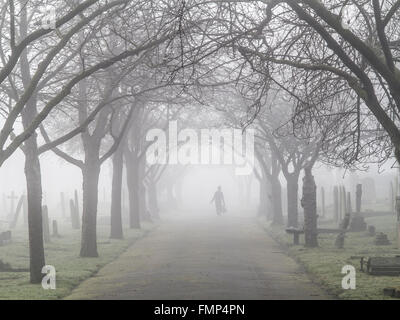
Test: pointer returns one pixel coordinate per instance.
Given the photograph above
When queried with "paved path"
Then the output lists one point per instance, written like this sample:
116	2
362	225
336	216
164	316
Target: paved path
197	258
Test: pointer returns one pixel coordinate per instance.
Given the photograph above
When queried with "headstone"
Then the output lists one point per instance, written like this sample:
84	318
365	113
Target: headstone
381	239
348	206
55	229
340	204
339	242
369	189
12	197
345	222
344	202
74	217
323	201
76	202
371	231
5	237
357	222
46	228
358	197
16	215
336	203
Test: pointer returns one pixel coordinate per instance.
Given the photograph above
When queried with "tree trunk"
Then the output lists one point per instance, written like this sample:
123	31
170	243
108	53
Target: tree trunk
309	203
292	200
276	190
34	197
116	196
32	167
133	191
90	172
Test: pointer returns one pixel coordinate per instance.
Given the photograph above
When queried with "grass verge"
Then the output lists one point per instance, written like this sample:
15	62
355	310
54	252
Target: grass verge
324	264
63	254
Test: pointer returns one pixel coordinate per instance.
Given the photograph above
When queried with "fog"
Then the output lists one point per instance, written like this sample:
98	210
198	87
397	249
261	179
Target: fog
181	149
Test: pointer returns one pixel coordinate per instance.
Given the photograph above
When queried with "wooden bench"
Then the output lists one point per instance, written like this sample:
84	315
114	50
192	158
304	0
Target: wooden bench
297	232
5	237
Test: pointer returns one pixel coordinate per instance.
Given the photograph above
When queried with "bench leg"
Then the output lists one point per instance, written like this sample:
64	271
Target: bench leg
296	238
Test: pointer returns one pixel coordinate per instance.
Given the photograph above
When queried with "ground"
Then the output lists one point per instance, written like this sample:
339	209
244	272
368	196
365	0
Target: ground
226	257
324	264
63	254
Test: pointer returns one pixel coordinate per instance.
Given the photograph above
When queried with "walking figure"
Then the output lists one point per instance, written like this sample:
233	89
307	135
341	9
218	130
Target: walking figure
219	201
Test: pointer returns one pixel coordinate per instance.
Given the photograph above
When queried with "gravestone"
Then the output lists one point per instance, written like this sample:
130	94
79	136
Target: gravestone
371	231
12	198
357	222
344	203
74	215
339	242
5	237
358	197
46	227
336	203
323	201
381	239
340	211
349	206
369	190
55	229
16	215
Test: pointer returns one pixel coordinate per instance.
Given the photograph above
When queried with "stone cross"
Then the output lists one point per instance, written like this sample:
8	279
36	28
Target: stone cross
12	197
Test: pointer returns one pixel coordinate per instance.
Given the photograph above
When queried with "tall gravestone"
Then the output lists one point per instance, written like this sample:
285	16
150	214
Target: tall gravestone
335	203
349	206
358	198
340	204
357	222
45	222
309	204
12	198
323	201
369	190
14	221
55	229
74	215
344	202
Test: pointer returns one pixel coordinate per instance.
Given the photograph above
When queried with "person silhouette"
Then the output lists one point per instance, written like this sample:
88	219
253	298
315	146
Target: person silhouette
219	201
